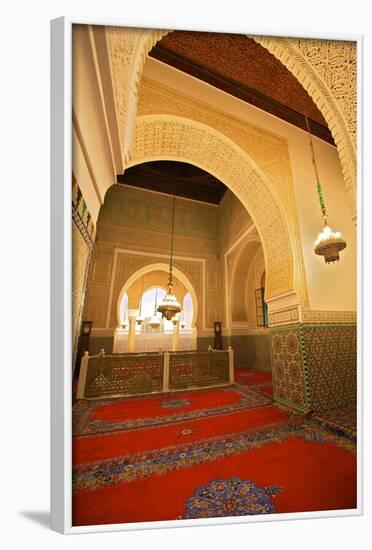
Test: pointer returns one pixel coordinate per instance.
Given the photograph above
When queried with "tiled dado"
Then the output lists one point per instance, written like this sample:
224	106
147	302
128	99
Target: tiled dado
330	351
314	365
289	368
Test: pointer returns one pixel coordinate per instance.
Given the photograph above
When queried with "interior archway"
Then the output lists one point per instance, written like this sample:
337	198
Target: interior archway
239	280
166	137
164	268
307	67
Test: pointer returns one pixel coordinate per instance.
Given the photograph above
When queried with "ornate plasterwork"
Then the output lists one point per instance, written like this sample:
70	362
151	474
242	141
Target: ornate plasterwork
103	302
170	137
128	49
286	316
268	152
327	69
320	316
81	254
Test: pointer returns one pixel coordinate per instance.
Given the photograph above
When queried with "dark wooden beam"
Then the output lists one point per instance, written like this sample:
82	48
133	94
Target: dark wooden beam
240	91
139	176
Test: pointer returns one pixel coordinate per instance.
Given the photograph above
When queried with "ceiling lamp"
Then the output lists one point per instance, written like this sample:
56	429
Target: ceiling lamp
170	305
139	319
155	321
329	243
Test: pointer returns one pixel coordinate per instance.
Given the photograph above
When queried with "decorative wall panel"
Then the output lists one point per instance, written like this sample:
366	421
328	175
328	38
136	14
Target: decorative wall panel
327	69
314	366
80	265
183	139
288	367
153	211
269	151
331	359
83	233
127	51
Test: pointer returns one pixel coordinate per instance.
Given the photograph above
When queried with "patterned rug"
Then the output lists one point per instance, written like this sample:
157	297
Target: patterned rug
117	415
208	453
284	467
259	380
343	422
126	468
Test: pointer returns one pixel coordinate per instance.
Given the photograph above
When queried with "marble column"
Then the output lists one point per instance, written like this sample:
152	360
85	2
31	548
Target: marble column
176	335
132	314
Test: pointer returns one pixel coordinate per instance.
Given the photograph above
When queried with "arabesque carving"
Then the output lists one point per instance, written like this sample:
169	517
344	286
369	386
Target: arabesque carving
327	69
267	150
171	137
128	49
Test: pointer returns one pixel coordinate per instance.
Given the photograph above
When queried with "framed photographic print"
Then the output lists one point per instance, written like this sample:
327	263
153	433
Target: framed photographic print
204	189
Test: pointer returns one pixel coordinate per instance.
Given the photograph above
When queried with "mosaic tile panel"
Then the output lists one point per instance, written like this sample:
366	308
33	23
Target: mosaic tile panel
288	367
331	359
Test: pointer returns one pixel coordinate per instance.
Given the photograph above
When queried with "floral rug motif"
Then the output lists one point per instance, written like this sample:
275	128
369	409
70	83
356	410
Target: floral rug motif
121	469
85	425
231	497
175	403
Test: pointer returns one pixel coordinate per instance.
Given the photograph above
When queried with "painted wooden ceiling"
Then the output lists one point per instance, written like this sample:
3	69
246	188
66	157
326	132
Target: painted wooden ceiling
175	178
239	66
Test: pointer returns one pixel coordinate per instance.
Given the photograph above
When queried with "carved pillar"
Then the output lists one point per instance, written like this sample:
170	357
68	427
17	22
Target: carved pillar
176	335
132	314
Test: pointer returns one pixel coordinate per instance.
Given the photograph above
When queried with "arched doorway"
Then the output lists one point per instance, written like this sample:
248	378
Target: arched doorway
165	137
330	82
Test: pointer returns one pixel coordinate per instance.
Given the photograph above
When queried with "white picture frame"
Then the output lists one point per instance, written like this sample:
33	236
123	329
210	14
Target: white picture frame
61	345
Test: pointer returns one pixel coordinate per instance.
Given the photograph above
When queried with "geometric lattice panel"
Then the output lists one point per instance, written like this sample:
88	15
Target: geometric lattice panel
330	352
124	374
198	369
288	367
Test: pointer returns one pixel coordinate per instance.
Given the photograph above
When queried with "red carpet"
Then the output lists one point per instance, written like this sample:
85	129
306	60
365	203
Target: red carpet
105	446
251	377
313	476
205	453
156	406
92	417
260	381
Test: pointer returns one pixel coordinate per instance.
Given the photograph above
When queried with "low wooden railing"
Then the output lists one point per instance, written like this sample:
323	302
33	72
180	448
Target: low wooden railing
123	374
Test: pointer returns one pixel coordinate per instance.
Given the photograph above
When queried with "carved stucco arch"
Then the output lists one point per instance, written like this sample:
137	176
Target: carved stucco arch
325	68
127	51
160	266
239	271
168	137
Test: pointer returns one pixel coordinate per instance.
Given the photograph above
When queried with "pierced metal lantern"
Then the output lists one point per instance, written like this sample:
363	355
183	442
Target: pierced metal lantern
329	243
170	306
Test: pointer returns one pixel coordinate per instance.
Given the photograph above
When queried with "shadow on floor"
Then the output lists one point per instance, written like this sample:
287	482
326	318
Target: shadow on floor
41	518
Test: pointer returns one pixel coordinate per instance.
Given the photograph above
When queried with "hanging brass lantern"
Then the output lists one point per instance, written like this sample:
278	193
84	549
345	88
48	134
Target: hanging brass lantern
329	243
170	306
